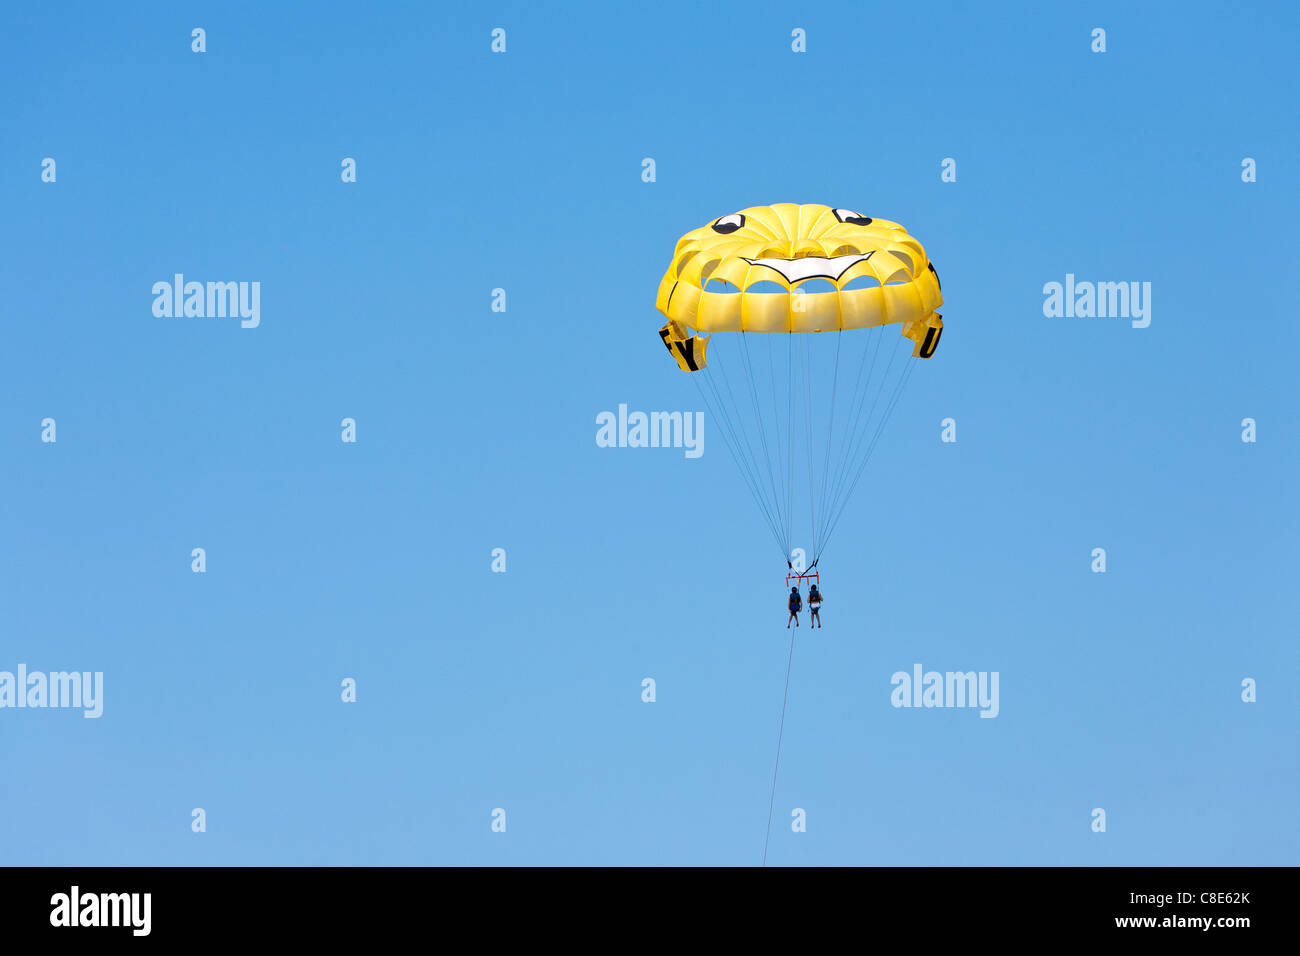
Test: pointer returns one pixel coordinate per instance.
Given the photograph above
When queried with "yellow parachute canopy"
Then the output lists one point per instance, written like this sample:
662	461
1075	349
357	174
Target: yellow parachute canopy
881	276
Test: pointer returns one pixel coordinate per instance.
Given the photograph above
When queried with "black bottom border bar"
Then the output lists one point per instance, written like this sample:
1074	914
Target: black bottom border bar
207	905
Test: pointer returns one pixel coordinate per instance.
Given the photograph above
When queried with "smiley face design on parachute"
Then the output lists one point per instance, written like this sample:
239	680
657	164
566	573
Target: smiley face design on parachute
756	271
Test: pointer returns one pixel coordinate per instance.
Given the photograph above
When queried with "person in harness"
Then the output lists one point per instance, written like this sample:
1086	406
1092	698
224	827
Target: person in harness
814	606
795	605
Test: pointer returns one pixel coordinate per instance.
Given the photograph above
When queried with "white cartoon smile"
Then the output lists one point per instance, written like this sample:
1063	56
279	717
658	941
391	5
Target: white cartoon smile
811	267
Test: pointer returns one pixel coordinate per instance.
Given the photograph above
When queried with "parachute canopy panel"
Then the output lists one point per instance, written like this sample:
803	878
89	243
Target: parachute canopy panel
688	350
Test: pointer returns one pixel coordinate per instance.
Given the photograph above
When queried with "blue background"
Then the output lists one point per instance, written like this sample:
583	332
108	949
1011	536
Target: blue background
477	430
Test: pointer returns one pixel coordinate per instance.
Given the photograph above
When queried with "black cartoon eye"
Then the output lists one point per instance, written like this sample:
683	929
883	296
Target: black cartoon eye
848	215
729	224
936	275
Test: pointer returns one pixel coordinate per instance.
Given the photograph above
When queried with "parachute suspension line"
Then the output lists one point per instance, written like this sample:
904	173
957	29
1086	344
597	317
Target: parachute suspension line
776	429
857	400
789	470
767	504
877	391
861	439
861	425
830	426
806	425
744	449
771	800
738	426
780	457
767	454
894	400
863	414
810	417
732	441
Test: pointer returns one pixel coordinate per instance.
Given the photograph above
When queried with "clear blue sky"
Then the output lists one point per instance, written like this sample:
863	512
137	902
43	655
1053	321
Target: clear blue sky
477	430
